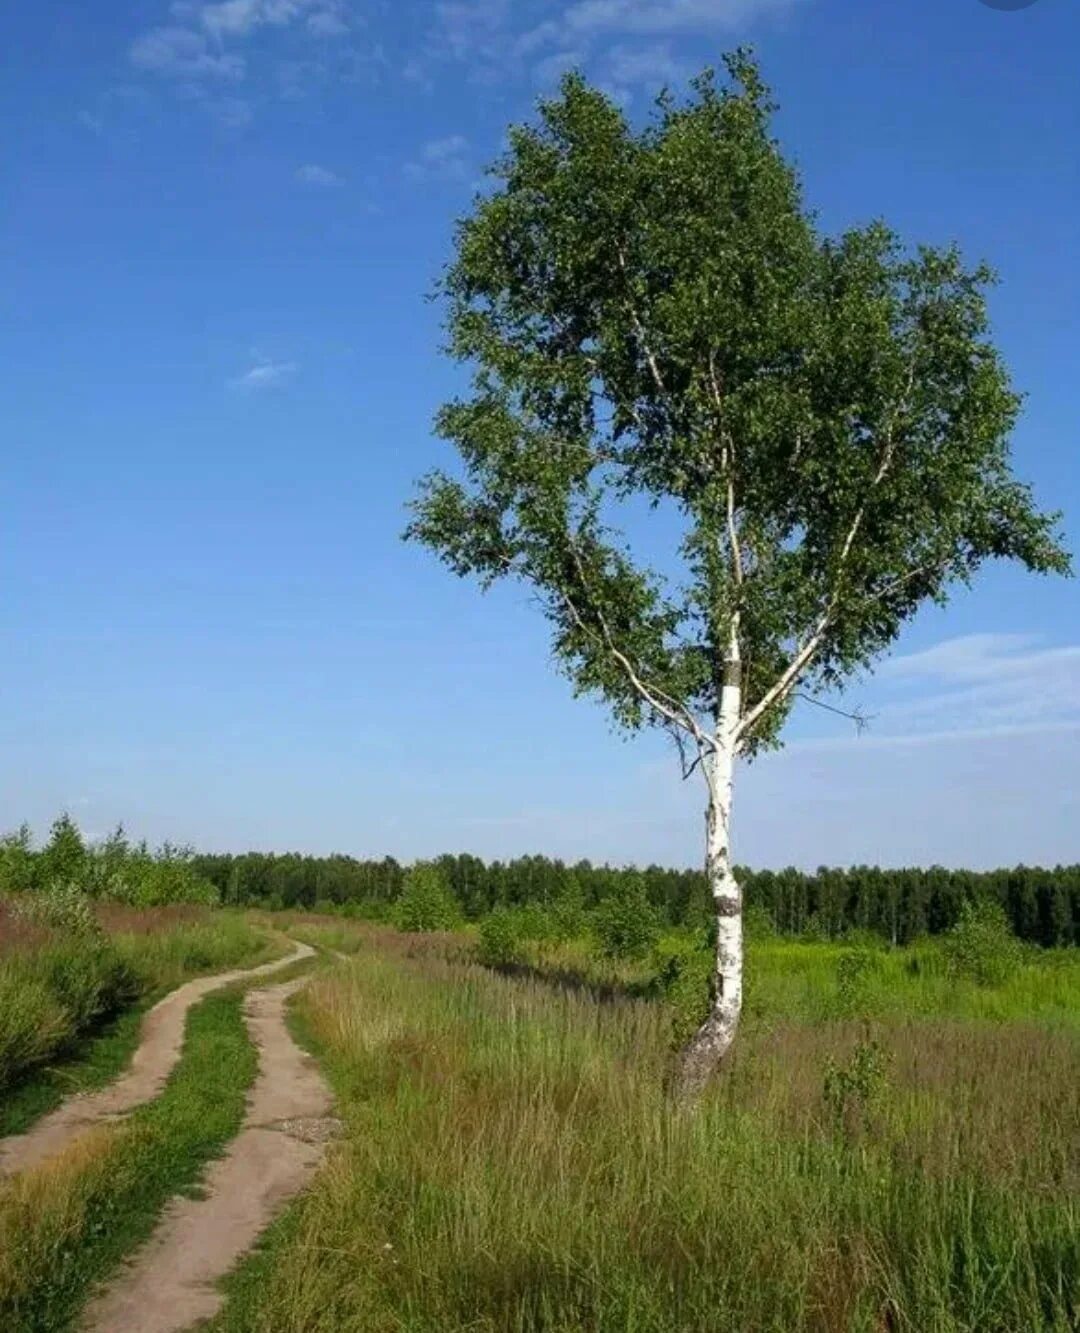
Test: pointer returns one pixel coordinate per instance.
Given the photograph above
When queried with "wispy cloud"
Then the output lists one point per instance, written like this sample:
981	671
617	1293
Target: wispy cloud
182	53
238	18
647	67
441	159
232	113
656	17
970	687
205	43
311	173
264	375
625	43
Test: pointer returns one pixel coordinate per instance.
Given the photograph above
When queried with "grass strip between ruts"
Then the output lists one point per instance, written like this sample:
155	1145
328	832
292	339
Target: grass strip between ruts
66	1224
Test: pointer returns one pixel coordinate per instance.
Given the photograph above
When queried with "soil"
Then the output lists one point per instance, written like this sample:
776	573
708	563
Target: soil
170	1284
160	1044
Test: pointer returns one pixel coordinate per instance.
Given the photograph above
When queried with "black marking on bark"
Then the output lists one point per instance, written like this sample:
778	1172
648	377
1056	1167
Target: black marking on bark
726	905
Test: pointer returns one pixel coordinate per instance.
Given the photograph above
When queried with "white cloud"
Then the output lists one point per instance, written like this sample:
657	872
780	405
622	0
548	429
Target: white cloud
550	69
654	17
232	113
971	687
200	44
311	173
184	54
238	18
265	375
650	67
441	159
328	22
491	38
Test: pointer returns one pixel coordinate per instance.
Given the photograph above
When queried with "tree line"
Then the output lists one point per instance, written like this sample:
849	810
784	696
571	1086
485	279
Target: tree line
1042	905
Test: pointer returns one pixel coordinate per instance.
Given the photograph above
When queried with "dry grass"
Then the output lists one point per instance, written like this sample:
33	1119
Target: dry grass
43	1214
511	1163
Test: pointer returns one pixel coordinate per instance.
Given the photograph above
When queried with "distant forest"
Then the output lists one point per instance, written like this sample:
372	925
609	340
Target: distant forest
1042	905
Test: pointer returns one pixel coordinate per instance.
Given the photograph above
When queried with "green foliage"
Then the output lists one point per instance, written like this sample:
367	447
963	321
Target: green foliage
758	922
17	861
853	1091
63	858
1043	905
114	871
51	994
426	902
652	318
625	924
683	976
855	972
61	907
981	946
501	940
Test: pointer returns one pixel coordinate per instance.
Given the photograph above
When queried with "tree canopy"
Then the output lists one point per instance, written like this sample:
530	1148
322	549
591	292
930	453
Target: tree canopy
652	316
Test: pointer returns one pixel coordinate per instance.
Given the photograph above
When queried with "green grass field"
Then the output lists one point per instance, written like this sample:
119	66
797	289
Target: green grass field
511	1161
893	1148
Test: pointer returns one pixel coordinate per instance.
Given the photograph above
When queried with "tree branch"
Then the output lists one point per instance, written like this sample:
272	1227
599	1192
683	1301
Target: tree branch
675	713
639	329
727	445
805	655
857	716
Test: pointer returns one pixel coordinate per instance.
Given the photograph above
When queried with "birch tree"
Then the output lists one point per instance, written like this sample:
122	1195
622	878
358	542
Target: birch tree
808	435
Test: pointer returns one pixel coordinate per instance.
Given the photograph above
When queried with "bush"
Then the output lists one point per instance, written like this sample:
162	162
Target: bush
852	1092
981	946
50	994
60	907
625	923
855	970
758	923
502	939
426	902
683	978
567	911
32	1022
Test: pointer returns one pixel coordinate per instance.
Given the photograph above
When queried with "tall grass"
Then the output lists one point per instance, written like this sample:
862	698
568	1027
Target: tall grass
511	1163
60	981
67	1222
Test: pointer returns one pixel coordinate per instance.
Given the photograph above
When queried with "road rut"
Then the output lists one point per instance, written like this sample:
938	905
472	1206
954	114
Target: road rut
170	1283
160	1044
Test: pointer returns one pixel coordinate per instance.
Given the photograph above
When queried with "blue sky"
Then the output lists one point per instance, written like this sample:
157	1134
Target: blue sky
220	222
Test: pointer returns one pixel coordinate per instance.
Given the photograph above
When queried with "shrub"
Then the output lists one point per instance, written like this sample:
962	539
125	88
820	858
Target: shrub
62	907
981	946
683	977
758	923
502	939
32	1022
625	923
855	970
855	1090
567	912
426	902
51	993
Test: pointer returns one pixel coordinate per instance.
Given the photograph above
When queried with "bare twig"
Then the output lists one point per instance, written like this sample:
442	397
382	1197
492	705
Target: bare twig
861	720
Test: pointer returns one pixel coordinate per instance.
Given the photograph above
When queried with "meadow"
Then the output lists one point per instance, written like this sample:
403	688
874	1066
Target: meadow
894	1146
898	1153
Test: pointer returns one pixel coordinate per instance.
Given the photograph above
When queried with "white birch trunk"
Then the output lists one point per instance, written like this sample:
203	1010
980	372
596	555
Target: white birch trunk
712	1040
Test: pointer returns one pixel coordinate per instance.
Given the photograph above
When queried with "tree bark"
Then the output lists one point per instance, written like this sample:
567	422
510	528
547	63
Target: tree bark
708	1046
